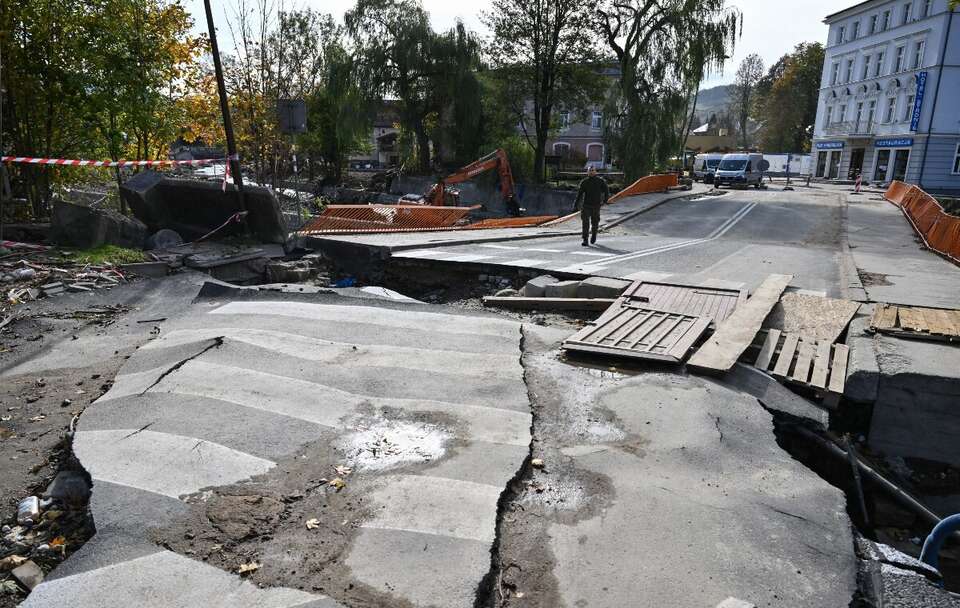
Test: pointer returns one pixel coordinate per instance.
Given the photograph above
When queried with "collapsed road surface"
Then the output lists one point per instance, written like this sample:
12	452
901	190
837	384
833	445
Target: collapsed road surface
293	450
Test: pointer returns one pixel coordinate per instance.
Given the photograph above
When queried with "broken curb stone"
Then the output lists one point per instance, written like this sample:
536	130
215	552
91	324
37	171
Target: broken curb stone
536	287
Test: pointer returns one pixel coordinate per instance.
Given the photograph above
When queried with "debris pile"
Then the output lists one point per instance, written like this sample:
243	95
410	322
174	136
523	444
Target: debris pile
45	531
24	281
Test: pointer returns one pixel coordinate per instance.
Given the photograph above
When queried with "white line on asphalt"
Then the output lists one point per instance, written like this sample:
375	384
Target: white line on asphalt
422	253
546	250
593	253
500	246
720	231
466	257
523	262
582	268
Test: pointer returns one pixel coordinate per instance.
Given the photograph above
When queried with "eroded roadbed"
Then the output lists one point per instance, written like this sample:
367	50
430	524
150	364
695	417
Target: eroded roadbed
271	449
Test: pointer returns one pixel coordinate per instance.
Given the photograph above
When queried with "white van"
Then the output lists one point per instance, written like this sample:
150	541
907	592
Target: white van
741	169
704	165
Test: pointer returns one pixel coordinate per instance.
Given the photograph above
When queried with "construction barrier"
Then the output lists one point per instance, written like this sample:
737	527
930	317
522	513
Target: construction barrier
384	218
939	230
73	162
645	185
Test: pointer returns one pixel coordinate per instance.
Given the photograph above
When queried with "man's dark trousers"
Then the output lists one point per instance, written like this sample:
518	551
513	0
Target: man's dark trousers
590	219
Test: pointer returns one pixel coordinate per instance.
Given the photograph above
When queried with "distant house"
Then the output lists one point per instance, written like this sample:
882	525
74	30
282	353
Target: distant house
196	150
711	137
383	151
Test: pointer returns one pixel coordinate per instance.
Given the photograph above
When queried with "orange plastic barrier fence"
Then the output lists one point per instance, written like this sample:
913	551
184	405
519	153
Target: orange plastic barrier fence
384	218
939	230
511	222
895	192
645	185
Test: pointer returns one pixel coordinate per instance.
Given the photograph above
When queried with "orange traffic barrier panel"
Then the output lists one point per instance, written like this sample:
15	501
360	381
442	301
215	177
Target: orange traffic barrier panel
384	218
895	192
647	184
939	230
511	222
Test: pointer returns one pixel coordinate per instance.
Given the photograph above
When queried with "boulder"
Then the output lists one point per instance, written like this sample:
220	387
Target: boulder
535	287
85	227
562	289
601	287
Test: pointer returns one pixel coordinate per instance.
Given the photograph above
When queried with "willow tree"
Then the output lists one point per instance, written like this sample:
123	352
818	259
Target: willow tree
664	48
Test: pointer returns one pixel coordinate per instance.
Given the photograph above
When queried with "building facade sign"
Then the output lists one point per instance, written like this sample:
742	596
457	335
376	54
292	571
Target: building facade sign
895	142
918	101
829	145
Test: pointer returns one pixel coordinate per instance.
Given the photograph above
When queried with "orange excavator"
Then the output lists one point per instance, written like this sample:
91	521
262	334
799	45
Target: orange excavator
495	160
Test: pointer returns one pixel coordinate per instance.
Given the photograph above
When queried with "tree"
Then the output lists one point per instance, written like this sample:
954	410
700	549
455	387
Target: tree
743	94
545	52
397	55
457	96
787	98
664	49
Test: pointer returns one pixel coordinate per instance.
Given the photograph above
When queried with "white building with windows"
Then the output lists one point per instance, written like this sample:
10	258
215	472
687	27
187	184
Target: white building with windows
890	95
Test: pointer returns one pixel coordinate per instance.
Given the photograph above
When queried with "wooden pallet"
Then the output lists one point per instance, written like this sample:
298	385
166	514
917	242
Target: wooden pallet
805	361
915	322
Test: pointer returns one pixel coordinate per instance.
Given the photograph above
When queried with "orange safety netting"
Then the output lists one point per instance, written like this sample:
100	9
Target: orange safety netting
939	230
385	218
511	222
645	185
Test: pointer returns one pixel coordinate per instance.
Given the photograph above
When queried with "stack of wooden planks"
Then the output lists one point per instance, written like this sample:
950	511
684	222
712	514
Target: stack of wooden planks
915	322
805	360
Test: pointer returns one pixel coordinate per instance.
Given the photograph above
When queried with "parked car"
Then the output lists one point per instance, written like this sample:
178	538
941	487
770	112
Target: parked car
704	166
741	169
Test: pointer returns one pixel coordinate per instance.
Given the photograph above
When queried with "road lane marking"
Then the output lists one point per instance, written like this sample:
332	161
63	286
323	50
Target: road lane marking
717	233
546	250
466	257
523	262
593	253
500	246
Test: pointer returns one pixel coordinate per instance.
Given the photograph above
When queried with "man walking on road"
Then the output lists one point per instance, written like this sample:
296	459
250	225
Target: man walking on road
593	193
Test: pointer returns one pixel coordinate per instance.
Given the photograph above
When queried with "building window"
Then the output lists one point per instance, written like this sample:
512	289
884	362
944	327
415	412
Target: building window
918	54
879	65
828	116
835	73
872	113
908	109
856	30
843	113
956	161
898	59
849	71
907	9
873	24
885	22
597	121
841	34
561	149
564	119
925	8
891	110
866	66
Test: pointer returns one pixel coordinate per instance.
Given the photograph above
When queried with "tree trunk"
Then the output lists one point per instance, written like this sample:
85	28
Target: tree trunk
423	147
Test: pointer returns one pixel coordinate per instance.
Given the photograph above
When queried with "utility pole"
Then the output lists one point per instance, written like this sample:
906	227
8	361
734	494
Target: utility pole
233	159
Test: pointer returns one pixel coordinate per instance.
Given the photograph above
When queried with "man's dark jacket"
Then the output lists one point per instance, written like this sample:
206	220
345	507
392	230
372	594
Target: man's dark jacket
593	192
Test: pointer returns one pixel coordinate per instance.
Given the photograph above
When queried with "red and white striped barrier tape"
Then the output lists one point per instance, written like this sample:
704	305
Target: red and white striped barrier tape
104	163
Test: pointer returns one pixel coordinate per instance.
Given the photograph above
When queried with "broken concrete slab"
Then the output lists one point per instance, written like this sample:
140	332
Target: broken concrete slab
863	372
561	289
28	574
536	287
195	208
601	287
79	226
147	269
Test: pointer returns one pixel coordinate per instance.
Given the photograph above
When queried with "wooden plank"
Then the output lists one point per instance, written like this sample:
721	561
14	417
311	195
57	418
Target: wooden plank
617	352
910	318
838	371
766	352
815	317
549	303
821	367
785	359
696	329
805	352
941	322
736	332
884	317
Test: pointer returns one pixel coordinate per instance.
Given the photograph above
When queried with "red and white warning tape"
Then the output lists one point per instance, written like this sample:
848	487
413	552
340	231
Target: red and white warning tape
104	163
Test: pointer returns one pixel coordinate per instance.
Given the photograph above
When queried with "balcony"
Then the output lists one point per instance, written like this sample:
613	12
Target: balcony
852	127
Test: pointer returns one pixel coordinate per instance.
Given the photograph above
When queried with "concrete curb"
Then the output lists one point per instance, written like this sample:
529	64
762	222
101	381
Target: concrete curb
852	288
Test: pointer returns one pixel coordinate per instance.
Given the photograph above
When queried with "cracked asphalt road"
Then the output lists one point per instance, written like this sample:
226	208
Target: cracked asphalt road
220	439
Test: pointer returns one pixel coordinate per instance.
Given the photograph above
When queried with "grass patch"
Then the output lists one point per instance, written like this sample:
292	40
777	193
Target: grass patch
107	254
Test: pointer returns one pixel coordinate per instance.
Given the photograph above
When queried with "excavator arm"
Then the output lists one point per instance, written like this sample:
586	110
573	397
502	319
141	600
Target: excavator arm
495	160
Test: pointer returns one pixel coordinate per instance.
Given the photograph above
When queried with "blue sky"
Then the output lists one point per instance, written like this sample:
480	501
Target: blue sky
771	27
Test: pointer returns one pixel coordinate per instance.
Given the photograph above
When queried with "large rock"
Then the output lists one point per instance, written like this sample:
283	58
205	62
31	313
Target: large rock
79	226
194	208
535	287
601	287
562	289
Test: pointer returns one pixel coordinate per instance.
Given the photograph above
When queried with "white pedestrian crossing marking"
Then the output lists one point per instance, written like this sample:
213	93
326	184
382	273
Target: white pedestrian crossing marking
592	253
546	250
422	253
524	262
500	246
466	257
